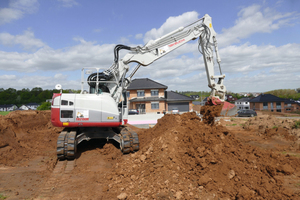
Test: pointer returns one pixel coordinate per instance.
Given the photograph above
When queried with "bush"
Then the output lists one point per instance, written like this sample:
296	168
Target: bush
45	106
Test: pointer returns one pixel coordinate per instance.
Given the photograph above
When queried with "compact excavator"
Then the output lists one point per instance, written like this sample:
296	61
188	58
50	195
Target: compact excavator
102	111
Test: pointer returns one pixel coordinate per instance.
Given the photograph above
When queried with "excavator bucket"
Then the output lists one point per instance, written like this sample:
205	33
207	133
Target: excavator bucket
228	109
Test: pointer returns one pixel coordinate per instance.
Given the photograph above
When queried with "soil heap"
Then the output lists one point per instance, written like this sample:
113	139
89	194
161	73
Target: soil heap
25	134
182	157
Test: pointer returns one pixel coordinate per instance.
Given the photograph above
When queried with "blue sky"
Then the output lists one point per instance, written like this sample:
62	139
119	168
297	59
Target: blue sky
43	43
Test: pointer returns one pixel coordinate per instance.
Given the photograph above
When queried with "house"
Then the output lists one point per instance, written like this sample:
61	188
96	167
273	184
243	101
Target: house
291	105
8	107
23	107
195	96
230	98
149	96
267	102
32	106
243	103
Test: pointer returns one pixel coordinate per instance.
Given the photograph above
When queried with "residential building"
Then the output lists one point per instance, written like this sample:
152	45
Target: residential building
267	102
8	107
291	105
230	98
149	96
243	103
196	97
24	107
32	106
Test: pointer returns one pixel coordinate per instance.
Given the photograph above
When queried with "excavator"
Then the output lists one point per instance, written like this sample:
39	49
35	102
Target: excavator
101	111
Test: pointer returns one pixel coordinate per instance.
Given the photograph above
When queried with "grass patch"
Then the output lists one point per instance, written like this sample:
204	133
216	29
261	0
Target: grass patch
4	113
274	127
297	124
2	196
231	124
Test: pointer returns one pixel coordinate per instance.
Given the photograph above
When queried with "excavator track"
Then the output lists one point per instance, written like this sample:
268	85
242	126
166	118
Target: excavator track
66	145
129	141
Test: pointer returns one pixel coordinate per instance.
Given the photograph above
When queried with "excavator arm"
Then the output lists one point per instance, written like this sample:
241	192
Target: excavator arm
155	49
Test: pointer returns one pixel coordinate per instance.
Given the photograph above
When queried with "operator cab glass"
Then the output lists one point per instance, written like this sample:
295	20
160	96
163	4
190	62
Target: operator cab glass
102	88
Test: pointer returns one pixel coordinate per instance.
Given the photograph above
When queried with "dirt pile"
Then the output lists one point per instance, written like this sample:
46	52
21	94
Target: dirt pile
184	158
210	112
25	134
268	126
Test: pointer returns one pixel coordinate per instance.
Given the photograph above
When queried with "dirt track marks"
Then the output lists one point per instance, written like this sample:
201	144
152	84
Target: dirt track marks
56	179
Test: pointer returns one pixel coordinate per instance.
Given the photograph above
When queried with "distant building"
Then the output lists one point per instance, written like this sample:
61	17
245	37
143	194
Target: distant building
230	98
149	96
195	96
267	102
32	106
8	107
243	103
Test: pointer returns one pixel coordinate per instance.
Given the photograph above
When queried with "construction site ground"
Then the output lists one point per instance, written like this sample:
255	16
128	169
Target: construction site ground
181	157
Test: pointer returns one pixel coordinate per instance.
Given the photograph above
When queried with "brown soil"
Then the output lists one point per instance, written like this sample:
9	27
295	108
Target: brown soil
181	157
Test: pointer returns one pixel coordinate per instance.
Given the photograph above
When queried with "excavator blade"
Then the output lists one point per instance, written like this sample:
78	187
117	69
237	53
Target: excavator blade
228	109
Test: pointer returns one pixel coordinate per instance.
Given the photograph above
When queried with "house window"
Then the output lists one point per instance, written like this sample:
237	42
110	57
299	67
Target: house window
278	105
128	94
154	105
140	93
265	106
278	110
154	93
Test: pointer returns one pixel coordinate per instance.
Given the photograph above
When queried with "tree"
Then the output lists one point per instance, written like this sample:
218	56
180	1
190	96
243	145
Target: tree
45	106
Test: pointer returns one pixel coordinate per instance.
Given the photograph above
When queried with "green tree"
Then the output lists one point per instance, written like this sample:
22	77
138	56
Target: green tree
44	106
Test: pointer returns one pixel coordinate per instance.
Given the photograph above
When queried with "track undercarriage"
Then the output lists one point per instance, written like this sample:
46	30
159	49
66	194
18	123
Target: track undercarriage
69	138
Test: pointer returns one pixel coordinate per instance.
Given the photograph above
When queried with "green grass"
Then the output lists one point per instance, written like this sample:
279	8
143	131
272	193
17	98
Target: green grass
4	112
2	196
275	127
297	124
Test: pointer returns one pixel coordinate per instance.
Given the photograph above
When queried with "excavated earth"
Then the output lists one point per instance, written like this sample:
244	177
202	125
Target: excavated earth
181	157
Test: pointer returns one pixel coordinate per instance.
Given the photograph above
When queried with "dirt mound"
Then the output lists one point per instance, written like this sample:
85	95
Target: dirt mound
268	126
25	134
184	158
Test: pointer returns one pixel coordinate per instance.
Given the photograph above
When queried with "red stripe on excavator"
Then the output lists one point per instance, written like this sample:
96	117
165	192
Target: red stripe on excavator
55	116
92	124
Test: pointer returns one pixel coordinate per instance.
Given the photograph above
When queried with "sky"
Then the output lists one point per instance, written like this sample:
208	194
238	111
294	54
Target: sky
44	43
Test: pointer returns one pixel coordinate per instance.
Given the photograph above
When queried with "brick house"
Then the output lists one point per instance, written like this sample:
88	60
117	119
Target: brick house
267	102
291	106
149	96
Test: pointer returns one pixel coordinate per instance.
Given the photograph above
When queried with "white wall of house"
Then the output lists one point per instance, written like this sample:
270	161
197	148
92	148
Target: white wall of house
243	105
10	108
23	107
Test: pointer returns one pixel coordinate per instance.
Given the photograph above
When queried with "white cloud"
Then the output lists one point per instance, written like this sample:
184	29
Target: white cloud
139	36
68	3
85	54
17	9
26	81
27	40
171	24
252	20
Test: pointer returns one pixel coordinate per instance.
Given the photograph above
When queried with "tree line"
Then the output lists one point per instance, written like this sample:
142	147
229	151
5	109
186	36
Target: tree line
25	96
